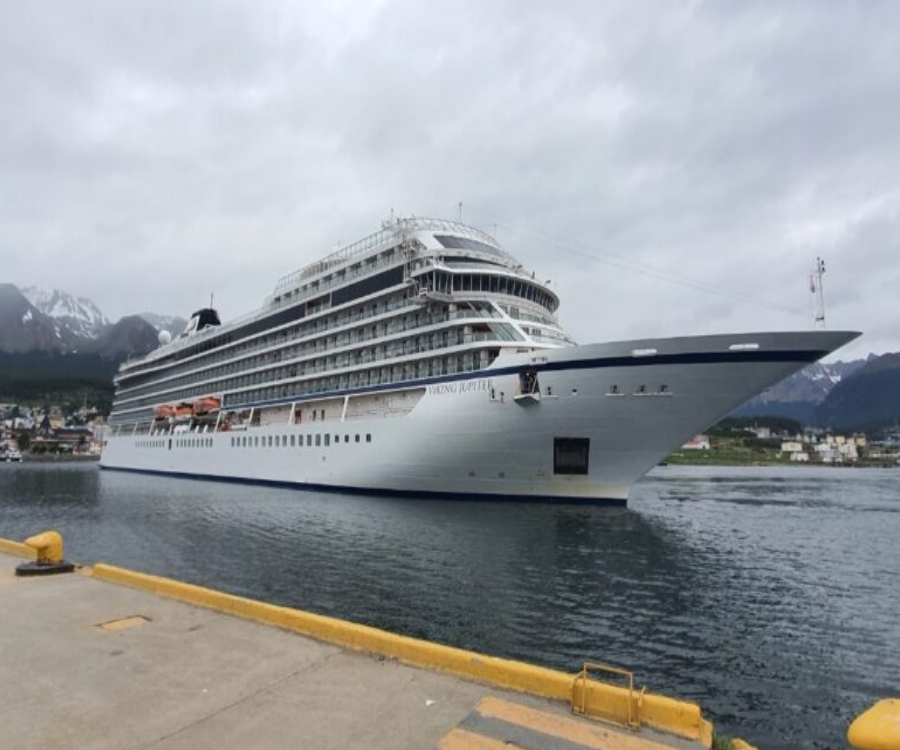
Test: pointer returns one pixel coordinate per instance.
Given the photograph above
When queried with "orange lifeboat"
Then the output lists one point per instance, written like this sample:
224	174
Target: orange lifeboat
206	405
184	410
164	412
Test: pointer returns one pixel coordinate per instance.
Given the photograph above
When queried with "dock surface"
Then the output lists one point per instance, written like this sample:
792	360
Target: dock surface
97	666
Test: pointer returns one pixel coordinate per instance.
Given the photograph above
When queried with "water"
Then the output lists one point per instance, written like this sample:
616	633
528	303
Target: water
770	596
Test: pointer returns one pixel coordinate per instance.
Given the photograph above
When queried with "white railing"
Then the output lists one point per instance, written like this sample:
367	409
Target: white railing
391	233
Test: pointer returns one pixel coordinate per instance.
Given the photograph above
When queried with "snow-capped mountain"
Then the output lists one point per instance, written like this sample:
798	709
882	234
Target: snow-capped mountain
57	322
798	396
81	317
868	400
24	328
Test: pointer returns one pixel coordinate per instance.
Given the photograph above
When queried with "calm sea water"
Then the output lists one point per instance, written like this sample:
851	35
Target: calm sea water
770	596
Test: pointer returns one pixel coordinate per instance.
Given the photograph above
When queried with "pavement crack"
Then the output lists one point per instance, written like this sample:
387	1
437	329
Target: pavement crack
317	664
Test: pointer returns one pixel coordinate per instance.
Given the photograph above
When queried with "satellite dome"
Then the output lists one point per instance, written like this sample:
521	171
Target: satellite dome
164	338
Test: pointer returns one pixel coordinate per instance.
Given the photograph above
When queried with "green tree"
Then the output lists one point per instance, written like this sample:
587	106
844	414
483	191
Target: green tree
23	441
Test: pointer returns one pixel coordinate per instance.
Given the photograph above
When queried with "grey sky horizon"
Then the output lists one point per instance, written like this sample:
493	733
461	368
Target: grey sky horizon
673	168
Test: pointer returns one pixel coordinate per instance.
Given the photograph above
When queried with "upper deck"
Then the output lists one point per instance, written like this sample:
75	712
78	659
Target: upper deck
401	243
395	232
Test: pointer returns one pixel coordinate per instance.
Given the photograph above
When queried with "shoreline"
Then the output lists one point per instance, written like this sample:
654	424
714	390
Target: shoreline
44	458
704	459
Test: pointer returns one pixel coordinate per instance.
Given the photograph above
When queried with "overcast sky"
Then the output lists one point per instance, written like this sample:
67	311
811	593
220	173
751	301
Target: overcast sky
673	168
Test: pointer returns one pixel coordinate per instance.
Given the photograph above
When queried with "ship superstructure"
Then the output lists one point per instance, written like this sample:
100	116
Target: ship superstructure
425	359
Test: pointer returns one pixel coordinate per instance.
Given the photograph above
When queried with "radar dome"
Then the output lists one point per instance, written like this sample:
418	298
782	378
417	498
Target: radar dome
164	338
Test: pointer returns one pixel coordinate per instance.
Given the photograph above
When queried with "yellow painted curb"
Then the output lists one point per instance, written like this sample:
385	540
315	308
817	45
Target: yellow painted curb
17	548
878	728
602	700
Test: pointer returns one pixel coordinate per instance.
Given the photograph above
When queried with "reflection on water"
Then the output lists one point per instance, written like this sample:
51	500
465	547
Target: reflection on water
768	595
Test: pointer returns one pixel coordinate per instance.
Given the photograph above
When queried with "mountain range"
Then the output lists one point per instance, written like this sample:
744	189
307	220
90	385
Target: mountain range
858	396
867	401
56	322
799	395
56	347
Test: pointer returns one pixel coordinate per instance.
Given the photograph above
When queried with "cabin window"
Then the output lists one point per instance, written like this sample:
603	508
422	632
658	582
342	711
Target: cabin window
308	440
368	437
292	441
357	438
327	439
318	440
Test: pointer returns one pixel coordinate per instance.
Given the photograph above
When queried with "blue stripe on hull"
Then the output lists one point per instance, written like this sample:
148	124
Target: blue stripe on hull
416	494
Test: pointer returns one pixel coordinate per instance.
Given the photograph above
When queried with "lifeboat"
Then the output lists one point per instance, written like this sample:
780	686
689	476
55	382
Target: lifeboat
164	412
206	405
184	410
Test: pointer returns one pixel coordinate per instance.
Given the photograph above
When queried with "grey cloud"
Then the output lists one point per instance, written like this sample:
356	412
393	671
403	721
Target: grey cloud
152	154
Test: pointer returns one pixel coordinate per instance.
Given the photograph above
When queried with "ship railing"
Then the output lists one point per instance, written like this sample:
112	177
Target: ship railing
236	322
368	244
367	313
344	254
395	351
362	380
317	347
372	366
390	234
289	293
421	223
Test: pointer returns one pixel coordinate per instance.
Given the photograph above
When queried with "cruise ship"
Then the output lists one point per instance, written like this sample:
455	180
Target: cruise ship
424	360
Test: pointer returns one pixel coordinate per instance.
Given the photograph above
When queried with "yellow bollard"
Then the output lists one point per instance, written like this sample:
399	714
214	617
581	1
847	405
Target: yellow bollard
49	550
878	728
49	546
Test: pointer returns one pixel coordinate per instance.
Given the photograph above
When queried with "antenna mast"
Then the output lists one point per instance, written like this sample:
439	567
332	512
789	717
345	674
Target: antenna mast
817	288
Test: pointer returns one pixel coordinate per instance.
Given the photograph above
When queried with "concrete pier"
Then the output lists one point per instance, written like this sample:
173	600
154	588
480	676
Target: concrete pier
93	665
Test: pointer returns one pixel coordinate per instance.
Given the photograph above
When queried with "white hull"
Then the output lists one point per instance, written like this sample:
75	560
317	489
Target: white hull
468	435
